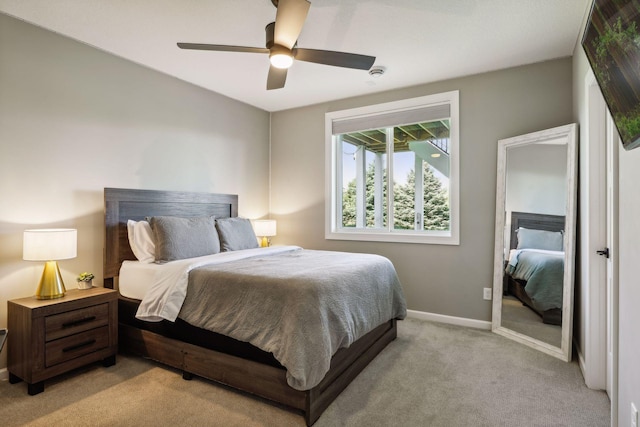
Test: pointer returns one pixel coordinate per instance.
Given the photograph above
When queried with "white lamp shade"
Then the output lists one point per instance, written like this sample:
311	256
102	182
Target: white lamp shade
264	227
50	244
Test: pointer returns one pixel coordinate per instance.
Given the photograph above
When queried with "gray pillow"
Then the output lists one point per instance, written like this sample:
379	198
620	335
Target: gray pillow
236	234
180	238
539	239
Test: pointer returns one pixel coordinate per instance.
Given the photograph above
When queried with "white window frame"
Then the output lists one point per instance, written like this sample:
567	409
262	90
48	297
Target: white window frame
333	207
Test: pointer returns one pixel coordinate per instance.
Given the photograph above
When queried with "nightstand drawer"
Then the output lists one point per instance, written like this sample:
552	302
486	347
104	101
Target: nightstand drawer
72	322
77	345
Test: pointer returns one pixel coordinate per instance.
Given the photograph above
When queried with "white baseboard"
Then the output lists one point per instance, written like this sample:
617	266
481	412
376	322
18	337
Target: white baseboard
589	380
452	320
4	374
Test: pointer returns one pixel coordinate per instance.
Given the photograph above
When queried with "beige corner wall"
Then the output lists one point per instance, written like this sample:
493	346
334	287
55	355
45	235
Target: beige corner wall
74	120
440	279
629	282
629	291
628	390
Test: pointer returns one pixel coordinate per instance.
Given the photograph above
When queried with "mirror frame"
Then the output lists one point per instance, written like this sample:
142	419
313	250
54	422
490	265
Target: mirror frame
570	133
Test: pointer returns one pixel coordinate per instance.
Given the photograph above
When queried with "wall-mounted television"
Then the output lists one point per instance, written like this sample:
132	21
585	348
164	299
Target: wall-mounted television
612	43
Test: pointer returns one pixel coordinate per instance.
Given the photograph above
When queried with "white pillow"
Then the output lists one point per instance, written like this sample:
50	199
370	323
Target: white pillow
141	241
540	239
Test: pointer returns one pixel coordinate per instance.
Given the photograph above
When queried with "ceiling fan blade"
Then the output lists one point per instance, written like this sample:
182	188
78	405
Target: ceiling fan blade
220	47
337	59
290	18
277	77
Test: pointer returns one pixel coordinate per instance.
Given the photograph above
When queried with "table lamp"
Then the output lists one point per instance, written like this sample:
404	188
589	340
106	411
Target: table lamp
264	228
50	245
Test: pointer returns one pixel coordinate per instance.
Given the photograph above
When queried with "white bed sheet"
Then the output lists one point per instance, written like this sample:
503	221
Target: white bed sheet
163	287
136	278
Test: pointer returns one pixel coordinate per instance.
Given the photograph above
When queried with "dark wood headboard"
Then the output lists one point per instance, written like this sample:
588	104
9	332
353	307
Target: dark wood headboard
534	221
121	204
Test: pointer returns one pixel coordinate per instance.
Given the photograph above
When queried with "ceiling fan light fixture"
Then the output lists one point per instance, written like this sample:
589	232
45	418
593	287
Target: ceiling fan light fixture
281	60
280	57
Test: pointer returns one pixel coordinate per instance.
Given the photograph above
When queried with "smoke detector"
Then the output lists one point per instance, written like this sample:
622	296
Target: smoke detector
376	72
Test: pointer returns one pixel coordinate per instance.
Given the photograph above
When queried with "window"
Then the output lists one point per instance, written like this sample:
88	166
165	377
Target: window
392	171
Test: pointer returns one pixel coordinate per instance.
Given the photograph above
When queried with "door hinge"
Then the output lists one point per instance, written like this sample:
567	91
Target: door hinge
604	252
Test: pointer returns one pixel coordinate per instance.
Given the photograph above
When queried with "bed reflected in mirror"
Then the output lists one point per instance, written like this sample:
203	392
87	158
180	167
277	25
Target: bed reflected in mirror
535	239
534	271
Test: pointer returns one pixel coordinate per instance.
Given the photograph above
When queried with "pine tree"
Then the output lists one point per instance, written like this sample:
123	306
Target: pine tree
404	203
436	205
436	201
371	210
349	200
349	205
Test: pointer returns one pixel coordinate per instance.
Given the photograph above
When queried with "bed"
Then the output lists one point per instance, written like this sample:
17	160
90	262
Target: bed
534	271
223	357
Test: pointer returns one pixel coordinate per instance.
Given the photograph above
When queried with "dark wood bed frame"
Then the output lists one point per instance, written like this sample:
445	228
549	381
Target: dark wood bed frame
246	375
517	287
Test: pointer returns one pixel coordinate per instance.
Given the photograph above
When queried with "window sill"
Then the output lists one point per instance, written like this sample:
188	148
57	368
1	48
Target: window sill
444	238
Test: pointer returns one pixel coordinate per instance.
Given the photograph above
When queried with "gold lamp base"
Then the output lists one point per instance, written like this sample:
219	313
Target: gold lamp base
264	242
51	285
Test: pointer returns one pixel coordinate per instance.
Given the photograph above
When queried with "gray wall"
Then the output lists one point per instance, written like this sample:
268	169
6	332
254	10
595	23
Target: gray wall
438	279
74	120
537	179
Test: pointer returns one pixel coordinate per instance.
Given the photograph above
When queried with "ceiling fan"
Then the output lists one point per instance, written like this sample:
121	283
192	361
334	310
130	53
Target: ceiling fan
282	36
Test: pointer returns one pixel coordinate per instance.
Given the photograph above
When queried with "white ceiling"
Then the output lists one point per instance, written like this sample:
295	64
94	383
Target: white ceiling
417	41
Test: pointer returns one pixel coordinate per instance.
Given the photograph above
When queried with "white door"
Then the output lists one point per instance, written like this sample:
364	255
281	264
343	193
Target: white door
593	237
599	232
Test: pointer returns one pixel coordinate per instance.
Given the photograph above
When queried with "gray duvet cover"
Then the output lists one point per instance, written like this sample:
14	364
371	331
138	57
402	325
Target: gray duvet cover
544	275
301	305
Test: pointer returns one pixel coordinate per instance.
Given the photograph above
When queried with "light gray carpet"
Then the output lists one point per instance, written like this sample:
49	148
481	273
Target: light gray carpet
520	318
432	375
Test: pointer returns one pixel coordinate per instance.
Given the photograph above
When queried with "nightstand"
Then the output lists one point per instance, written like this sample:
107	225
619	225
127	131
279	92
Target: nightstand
51	337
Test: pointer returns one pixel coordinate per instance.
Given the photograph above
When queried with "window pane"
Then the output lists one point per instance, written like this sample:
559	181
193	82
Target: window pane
403	188
348	184
420	167
421	176
364	179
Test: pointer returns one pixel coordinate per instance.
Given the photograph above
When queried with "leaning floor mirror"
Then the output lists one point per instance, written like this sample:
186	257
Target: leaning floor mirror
535	239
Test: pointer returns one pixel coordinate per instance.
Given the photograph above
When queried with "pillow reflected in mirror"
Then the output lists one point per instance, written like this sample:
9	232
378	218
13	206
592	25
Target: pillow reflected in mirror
540	239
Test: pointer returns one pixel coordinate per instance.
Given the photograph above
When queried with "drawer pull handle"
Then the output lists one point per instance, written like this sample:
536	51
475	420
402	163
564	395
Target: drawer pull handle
79	322
79	346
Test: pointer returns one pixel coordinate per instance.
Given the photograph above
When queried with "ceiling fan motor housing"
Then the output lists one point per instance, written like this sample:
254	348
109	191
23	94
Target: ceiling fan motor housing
270	37
269	30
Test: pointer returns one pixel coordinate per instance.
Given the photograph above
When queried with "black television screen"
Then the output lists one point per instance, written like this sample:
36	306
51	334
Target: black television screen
612	43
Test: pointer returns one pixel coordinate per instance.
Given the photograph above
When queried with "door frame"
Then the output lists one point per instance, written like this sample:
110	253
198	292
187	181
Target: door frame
598	355
593	295
613	145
